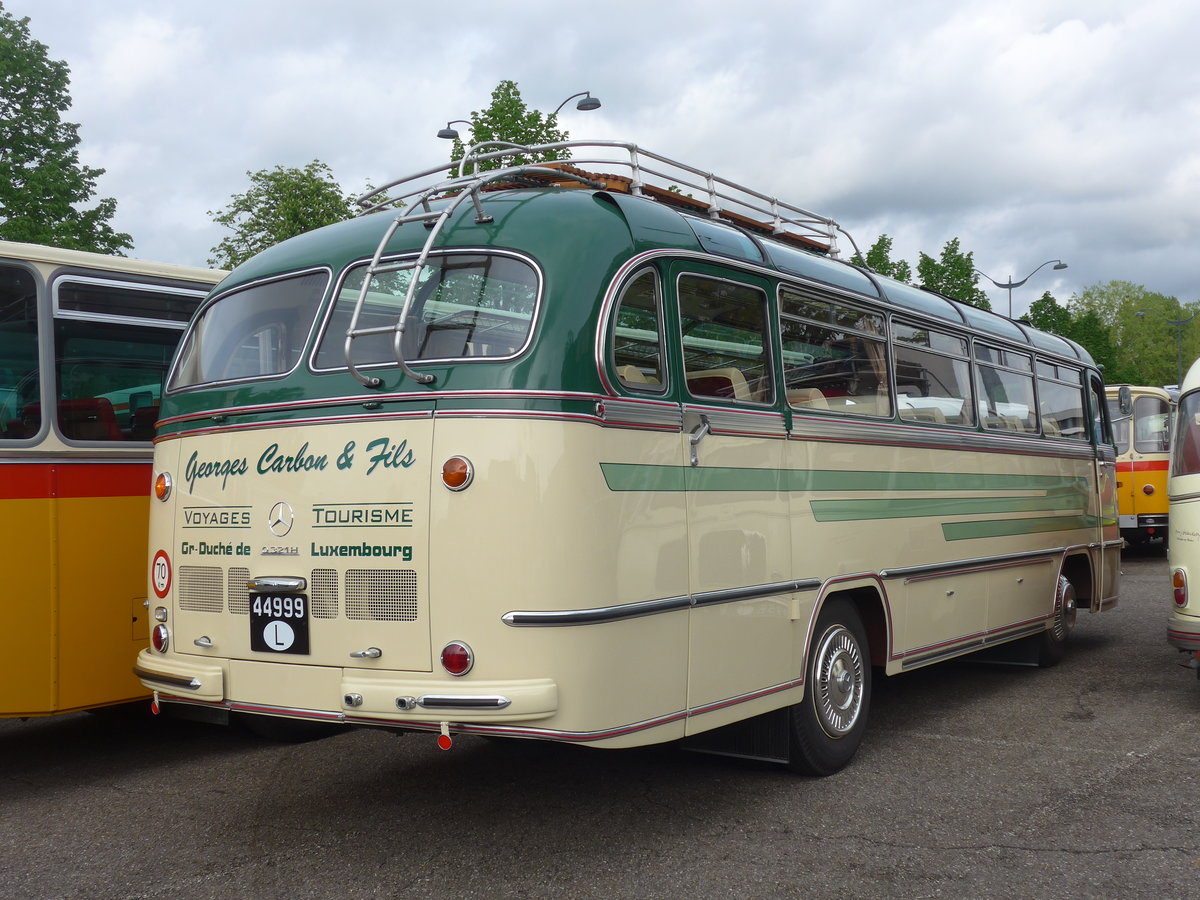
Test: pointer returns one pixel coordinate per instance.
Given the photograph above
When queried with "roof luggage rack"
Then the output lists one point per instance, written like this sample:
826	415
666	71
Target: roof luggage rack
649	175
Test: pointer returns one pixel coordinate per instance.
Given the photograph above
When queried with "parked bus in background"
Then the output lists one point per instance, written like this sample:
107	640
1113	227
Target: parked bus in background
612	452
1183	555
85	340
1141	418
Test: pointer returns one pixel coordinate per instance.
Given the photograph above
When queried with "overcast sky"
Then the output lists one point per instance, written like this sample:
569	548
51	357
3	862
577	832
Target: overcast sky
1029	129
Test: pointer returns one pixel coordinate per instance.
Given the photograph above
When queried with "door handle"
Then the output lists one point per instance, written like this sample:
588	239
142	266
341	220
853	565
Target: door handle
699	433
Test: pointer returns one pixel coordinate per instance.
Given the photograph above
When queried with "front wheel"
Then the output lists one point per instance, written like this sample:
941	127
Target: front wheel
827	725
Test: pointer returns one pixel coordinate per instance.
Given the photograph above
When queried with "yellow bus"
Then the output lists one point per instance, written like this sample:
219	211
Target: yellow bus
1183	554
85	340
1141	419
611	452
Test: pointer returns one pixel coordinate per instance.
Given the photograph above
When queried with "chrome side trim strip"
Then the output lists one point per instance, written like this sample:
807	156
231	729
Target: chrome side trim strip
191	683
731	595
597	615
977	562
440	701
533	618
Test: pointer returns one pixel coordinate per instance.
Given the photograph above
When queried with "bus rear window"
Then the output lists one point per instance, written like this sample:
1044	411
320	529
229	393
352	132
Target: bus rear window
255	332
465	306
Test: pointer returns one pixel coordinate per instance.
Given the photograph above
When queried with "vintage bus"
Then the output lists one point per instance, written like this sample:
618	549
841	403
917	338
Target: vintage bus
1183	554
613	452
85	341
1141	418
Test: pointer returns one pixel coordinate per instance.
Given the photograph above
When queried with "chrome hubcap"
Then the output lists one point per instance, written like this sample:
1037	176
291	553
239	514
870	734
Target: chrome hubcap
838	691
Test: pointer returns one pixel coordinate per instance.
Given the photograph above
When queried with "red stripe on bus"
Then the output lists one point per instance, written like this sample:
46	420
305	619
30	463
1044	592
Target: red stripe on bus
1143	465
43	481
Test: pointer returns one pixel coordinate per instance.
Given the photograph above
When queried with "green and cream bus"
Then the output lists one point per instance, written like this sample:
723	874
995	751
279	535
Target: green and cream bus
609	451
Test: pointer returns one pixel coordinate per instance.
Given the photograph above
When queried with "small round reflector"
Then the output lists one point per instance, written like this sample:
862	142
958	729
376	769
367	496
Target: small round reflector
160	637
445	742
457	473
457	658
162	486
1147	489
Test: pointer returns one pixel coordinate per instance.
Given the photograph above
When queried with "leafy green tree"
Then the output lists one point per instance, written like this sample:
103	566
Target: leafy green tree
1046	314
953	274
43	185
1089	332
507	118
879	259
280	204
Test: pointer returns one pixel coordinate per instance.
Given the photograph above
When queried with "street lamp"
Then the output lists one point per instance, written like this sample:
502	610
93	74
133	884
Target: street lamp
449	133
1010	284
1178	323
588	102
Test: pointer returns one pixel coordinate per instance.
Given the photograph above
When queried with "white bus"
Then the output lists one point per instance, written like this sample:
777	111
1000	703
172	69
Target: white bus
612	452
1183	553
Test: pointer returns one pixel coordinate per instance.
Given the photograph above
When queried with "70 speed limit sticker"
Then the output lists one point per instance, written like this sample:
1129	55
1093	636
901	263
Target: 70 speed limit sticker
160	574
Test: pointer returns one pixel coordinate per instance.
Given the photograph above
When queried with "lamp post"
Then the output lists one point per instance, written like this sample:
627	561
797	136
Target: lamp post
1010	284
1178	323
449	133
586	102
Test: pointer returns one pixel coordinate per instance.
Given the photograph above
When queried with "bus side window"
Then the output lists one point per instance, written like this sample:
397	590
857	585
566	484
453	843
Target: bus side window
637	336
834	356
724	330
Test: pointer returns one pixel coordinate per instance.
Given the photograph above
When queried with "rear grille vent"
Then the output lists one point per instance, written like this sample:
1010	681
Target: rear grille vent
388	595
384	596
201	589
239	594
323	594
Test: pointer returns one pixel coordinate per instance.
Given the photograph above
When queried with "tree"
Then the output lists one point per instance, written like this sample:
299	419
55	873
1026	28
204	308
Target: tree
879	259
280	204
952	274
1046	314
43	185
507	118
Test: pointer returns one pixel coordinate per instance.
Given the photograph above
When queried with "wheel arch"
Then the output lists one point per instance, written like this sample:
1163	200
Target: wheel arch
869	599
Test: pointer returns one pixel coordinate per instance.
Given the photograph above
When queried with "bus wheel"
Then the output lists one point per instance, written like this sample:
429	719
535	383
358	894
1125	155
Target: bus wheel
1052	643
828	724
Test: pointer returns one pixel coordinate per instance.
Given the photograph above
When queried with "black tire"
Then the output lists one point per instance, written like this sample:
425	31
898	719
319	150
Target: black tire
1051	644
827	726
286	731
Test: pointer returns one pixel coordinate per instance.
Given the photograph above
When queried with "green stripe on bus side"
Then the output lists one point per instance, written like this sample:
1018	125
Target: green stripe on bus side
963	531
634	477
906	507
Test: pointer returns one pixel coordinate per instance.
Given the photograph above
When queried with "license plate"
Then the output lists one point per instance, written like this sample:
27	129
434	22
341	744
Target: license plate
279	623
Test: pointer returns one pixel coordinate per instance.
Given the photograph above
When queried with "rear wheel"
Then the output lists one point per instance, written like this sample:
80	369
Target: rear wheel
827	725
1051	644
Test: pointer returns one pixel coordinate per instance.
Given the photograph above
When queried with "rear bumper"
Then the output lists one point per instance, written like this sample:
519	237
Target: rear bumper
1184	632
351	696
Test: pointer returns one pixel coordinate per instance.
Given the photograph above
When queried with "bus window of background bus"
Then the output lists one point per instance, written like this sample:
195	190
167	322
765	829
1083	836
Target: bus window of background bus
834	356
1186	459
933	376
1005	389
637	343
465	306
1150	417
1060	401
724	330
20	412
110	378
250	333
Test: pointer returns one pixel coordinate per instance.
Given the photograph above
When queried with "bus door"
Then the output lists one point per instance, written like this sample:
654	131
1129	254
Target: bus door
739	534
1107	553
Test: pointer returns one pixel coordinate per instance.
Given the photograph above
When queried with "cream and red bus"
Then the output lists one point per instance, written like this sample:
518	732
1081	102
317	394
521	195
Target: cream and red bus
1141	419
614	452
85	341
